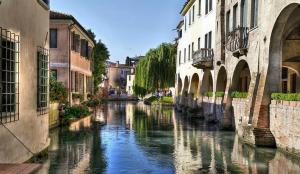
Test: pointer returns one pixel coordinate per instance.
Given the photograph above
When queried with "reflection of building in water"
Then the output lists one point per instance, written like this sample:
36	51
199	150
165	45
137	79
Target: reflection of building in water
116	113
101	113
130	109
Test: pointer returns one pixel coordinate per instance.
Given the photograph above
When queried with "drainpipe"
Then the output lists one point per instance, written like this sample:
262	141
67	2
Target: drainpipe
70	48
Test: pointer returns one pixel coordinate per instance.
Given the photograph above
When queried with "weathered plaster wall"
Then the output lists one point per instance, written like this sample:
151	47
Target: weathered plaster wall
31	22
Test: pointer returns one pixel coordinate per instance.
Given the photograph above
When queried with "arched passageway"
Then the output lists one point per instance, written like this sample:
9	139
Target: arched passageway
185	86
195	85
221	80
207	82
179	85
241	77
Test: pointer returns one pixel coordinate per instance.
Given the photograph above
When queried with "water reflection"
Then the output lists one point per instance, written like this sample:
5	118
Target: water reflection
141	139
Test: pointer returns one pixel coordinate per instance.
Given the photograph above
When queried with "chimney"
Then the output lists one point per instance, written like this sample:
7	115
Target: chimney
118	63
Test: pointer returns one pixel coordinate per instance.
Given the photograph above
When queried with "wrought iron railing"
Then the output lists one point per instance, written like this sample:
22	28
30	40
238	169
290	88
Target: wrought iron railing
203	58
237	40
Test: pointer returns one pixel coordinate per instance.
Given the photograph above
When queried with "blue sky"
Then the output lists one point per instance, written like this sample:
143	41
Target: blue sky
127	27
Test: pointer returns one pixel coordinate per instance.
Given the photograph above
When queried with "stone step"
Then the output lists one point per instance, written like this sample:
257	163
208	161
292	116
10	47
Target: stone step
264	137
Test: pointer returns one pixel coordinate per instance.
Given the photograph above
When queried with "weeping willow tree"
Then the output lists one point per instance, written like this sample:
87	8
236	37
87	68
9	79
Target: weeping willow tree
156	70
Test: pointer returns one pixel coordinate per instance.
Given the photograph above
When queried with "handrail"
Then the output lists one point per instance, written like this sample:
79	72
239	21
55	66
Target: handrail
237	39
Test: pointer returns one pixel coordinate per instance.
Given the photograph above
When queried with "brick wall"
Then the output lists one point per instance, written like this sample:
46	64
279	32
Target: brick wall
284	124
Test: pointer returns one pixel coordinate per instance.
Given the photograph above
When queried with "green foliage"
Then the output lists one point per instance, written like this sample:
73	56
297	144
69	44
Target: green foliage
77	96
75	112
58	93
209	94
237	94
286	97
155	100
92	103
156	70
100	56
219	94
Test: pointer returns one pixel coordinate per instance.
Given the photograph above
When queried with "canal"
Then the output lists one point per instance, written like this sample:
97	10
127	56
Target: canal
141	139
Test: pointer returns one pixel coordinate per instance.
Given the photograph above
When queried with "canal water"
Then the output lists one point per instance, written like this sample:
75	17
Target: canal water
139	139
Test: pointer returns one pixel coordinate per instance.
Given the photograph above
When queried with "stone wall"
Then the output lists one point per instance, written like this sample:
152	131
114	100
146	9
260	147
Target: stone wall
208	106
284	124
219	109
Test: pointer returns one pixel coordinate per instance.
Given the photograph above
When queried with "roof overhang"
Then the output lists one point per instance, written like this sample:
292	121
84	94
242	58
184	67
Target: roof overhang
186	7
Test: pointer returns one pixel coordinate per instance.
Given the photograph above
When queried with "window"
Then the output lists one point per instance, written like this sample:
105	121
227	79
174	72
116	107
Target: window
53	74
199	43
76	42
53	38
244	13
9	76
189	52
208	39
234	16
199	7
193	17
208	6
190	17
228	22
192	49
184	55
42	81
254	13
185	23
84	48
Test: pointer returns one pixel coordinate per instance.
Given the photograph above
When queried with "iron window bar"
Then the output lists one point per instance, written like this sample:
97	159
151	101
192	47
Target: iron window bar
9	76
43	81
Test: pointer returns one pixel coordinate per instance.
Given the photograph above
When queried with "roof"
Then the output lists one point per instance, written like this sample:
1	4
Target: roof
186	7
63	16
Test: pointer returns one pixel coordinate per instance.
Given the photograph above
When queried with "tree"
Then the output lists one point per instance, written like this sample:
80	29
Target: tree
156	70
100	56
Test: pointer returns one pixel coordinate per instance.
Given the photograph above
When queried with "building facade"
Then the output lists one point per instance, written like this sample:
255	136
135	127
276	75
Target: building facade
195	46
130	82
256	54
71	48
24	77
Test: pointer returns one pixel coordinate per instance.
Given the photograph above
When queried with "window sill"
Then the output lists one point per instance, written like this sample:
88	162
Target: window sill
43	4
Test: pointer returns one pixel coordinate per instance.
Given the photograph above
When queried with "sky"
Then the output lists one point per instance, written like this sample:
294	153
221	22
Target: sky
127	27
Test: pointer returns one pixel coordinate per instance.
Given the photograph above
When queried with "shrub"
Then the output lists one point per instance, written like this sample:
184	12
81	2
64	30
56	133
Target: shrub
237	94
209	94
77	96
92	103
58	93
75	112
220	94
286	97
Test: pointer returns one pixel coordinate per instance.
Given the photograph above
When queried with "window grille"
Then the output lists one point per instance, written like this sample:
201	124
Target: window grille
43	84
9	76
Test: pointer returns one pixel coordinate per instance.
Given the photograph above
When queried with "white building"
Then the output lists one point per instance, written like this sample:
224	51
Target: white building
130	82
196	43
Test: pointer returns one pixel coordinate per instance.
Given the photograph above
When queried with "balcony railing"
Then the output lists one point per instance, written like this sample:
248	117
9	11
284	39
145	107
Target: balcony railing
237	41
203	58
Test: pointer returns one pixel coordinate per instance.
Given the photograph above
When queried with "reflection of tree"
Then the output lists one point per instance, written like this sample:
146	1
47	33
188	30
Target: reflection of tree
150	130
98	162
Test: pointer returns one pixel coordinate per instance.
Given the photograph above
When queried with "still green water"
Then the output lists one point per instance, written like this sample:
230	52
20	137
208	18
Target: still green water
139	139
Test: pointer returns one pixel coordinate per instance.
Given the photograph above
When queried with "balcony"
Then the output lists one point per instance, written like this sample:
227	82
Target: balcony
203	58
237	41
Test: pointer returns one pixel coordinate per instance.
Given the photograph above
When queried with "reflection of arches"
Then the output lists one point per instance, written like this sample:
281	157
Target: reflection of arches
221	80
207	82
186	85
179	85
195	85
241	77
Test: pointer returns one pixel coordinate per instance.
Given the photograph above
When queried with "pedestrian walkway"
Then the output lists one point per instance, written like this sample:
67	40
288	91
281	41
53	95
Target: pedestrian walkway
19	168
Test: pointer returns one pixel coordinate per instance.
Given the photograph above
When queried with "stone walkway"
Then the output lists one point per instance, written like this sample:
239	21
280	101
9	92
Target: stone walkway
19	168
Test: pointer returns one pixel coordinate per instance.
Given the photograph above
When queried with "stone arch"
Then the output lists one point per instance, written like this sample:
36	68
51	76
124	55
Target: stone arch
179	85
207	82
185	86
194	88
241	77
221	80
270	81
